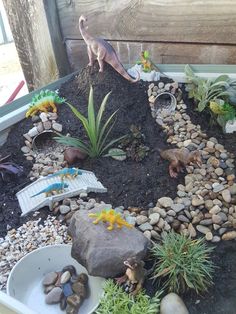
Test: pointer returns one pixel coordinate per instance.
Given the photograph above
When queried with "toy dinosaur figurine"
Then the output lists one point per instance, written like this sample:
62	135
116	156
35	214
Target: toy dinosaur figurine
56	188
112	217
180	157
134	276
67	173
45	101
100	48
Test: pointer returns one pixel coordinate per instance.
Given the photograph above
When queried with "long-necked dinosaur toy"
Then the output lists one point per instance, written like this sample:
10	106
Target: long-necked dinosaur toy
103	51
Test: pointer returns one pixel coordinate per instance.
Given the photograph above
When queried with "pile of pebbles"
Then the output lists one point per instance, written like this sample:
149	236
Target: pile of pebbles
42	122
67	288
28	237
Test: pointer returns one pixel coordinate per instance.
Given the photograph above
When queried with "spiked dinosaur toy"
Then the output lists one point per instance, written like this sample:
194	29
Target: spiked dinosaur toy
103	51
56	188
112	217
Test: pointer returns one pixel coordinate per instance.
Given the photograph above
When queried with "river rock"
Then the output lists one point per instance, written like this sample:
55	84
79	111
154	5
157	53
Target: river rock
65	277
173	304
197	201
203	229
64	209
154	218
141	219
226	196
230	235
165	202
100	251
50	279
54	296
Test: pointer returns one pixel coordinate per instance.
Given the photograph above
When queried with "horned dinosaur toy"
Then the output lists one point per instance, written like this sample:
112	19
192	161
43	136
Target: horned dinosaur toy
112	217
45	101
67	173
134	277
103	51
56	188
180	157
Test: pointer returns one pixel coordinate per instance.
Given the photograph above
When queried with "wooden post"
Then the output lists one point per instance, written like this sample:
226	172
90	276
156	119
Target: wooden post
36	32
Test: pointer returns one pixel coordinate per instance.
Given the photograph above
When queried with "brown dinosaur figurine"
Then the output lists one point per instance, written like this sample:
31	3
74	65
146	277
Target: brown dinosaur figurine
180	157
134	276
103	51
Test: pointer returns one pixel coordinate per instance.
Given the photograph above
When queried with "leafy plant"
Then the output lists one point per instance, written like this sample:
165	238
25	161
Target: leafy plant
203	91
96	132
223	111
9	167
183	263
117	301
145	61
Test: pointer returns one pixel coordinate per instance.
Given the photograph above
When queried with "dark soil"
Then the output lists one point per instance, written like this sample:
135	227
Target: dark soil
129	183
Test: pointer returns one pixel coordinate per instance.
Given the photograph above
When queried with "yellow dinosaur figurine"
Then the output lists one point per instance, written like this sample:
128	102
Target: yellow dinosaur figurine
112	217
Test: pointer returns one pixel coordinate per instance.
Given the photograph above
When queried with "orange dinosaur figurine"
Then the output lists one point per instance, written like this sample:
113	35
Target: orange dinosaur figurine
180	157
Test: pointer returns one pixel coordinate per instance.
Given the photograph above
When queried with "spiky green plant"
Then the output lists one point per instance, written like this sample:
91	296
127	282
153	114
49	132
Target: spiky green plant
183	263
116	301
96	132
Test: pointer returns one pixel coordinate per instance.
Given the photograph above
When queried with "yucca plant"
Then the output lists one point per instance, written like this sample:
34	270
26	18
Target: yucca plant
117	301
183	263
96	132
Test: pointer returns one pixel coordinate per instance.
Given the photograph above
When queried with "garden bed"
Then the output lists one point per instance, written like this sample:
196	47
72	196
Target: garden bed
129	183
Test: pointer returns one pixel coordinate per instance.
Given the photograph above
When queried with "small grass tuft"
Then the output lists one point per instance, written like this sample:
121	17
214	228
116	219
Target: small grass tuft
183	263
117	301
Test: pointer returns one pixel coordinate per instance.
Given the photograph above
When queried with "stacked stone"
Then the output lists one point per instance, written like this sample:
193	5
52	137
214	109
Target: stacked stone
207	201
42	122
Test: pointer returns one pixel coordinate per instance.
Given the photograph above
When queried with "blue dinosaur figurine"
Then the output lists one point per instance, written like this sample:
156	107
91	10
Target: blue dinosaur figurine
67	173
55	187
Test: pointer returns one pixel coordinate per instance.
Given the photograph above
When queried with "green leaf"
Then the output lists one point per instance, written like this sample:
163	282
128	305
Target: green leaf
146	54
116	153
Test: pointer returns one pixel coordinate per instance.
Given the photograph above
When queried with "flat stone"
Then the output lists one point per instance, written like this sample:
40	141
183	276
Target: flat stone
25	149
141	219
197	201
226	196
216	219
232	189
209	236
57	126
219	171
206	222
173	304
147	234
202	229
183	218
64	209
50	279
33	132
230	235
145	226
209	204
165	202
155	235
54	296
217	187
215	239
100	251
177	207
154	218
161	211
65	277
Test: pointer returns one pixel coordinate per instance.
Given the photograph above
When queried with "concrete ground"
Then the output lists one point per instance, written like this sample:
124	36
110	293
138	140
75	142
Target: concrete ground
10	73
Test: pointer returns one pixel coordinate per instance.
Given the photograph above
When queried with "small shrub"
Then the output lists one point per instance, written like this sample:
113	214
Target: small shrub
117	301
203	91
96	132
183	263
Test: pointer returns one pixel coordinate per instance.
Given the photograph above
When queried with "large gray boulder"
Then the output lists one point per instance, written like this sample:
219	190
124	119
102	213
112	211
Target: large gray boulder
100	251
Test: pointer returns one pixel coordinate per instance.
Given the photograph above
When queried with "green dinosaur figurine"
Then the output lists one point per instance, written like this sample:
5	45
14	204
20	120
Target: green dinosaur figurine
67	173
45	101
112	217
55	187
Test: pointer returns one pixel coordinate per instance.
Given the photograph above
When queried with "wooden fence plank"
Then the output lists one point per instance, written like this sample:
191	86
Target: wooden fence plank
186	21
32	37
167	53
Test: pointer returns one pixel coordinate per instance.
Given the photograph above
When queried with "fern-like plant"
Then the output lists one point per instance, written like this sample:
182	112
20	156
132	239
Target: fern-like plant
183	263
116	301
96	132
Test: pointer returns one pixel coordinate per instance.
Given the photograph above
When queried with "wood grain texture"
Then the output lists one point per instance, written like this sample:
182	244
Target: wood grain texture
186	21
166	53
32	37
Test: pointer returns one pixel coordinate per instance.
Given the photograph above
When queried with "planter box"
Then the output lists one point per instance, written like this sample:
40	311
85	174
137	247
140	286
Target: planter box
15	111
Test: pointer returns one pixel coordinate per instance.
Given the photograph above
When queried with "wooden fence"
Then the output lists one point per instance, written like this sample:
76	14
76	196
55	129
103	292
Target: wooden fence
174	31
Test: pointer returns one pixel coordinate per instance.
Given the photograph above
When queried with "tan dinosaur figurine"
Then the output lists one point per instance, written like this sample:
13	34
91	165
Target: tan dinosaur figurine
134	276
103	51
180	157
